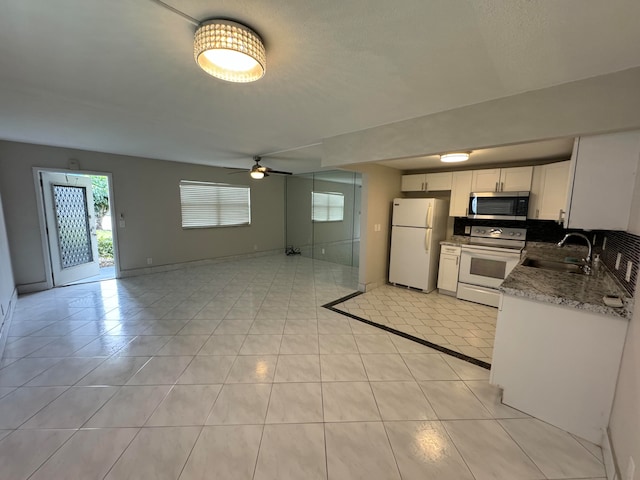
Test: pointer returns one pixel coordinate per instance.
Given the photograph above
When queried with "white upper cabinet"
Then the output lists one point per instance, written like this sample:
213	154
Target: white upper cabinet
413	183
485	180
549	189
438	181
515	179
460	190
603	168
426	182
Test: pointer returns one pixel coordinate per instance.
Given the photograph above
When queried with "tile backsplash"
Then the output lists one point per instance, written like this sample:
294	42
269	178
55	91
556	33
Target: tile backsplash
627	244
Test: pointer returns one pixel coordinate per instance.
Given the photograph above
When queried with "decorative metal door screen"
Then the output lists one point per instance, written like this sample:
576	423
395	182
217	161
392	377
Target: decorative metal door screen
72	220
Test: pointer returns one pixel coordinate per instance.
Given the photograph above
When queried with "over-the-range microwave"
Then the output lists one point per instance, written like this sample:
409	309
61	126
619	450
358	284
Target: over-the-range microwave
499	205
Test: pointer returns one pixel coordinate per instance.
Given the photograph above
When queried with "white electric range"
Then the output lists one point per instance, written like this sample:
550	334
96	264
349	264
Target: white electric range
486	261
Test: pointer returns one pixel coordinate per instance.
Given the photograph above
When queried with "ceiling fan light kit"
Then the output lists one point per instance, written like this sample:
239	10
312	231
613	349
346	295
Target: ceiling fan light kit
229	51
454	157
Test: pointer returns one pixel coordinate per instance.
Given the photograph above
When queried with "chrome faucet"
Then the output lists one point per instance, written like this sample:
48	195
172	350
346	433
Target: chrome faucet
586	268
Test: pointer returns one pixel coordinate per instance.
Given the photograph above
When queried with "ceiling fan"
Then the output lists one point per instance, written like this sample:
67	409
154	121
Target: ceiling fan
258	171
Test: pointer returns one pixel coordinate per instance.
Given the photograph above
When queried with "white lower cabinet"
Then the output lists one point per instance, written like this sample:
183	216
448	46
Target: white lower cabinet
558	364
448	270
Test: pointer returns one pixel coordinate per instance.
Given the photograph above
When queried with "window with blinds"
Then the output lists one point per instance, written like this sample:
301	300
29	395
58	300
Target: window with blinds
327	207
214	204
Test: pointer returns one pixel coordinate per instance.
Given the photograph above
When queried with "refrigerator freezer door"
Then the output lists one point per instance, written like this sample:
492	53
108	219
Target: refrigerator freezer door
411	257
413	212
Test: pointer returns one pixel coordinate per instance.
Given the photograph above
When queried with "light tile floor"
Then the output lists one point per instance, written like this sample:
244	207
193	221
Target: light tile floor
458	325
233	371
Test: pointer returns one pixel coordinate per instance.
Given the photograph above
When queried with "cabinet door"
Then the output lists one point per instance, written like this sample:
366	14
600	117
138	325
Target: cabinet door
438	181
413	183
604	178
516	179
485	180
448	272
553	195
536	192
460	189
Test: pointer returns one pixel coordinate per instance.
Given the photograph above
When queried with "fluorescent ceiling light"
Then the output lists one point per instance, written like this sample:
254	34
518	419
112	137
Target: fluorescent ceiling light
454	157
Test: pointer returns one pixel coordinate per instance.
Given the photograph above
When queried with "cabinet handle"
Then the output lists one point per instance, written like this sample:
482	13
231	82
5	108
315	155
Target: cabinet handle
561	216
537	213
422	186
426	186
457	259
502	186
466	212
496	190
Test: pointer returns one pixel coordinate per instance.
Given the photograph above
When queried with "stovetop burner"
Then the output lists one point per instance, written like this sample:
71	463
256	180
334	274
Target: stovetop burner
503	237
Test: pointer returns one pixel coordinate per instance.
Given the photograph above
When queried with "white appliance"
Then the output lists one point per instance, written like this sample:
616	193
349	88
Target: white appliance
486	261
418	227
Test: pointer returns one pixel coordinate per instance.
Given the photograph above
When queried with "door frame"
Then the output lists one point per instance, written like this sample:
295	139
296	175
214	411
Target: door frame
46	253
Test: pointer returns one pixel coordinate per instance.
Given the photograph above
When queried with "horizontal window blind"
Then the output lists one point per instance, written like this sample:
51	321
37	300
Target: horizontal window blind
214	204
327	206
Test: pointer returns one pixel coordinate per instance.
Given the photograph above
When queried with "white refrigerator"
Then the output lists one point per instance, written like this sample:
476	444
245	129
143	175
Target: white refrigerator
418	227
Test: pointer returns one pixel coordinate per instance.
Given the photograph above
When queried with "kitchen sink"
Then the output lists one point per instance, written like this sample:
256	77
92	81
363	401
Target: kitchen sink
551	265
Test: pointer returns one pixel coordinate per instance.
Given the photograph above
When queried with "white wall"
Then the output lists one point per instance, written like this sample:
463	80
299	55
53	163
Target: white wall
596	105
7	285
147	194
380	185
624	424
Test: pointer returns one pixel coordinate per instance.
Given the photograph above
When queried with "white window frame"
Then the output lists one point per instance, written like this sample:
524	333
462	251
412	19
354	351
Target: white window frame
212	205
322	211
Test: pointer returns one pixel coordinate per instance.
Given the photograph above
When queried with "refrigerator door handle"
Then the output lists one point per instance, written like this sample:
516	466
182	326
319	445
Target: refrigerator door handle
427	239
429	211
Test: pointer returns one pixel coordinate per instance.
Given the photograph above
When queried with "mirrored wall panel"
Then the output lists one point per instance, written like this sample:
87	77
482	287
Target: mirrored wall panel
323	216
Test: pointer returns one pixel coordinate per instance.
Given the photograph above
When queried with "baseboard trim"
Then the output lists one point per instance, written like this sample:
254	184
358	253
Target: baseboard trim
6	324
32	287
609	456
135	272
367	287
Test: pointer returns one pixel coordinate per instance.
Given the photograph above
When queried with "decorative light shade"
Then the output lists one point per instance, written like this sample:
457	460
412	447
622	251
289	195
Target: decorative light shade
257	174
229	51
454	157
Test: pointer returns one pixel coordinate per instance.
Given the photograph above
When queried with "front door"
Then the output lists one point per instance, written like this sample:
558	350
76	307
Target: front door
71	229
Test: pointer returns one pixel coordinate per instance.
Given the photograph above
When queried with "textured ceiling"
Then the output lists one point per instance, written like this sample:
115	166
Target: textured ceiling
119	76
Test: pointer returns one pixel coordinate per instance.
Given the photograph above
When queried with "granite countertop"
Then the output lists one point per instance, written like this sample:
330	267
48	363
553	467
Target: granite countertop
456	241
584	292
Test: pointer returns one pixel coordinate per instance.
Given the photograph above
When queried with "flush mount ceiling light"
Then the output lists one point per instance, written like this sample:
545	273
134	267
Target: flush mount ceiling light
229	51
454	157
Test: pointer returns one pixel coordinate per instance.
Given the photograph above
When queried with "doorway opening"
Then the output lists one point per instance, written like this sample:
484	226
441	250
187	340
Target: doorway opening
80	239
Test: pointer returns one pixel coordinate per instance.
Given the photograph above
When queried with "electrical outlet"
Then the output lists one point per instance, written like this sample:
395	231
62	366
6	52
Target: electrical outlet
618	259
323	251
149	261
604	244
627	276
631	470
255	247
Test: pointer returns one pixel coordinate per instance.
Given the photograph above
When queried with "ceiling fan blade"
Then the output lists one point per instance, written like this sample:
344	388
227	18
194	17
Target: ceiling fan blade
279	172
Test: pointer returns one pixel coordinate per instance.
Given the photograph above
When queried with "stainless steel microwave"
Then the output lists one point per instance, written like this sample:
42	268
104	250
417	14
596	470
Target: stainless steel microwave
499	205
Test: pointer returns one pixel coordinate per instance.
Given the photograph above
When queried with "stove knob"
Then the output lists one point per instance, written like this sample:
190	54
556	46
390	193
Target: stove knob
511	234
518	234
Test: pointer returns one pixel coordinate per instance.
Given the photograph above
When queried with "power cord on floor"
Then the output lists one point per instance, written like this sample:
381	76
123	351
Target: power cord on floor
291	251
